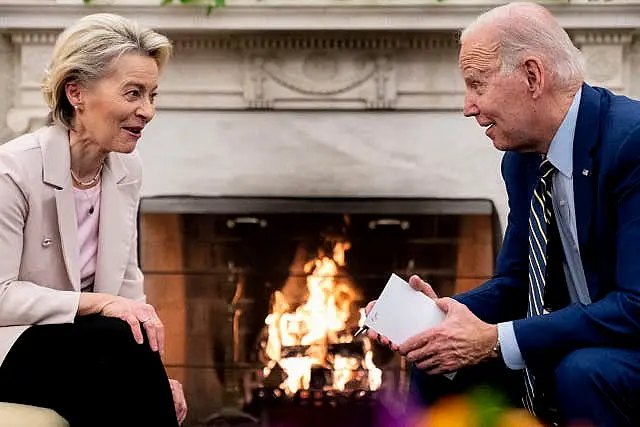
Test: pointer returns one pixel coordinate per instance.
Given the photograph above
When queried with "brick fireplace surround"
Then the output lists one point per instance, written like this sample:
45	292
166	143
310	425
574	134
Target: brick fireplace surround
212	264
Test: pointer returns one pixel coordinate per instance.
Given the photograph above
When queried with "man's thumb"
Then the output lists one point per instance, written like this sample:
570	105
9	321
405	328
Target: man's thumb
444	304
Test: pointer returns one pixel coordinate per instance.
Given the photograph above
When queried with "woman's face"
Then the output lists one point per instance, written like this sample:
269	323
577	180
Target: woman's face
113	111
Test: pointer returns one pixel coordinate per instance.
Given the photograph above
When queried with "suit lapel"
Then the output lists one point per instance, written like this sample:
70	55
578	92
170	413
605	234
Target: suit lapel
67	223
584	145
117	219
54	141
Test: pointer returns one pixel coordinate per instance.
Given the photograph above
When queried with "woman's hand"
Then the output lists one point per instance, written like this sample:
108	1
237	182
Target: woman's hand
179	402
135	313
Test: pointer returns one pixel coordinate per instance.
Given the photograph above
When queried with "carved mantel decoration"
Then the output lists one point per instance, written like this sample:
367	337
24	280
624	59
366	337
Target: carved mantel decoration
285	54
604	54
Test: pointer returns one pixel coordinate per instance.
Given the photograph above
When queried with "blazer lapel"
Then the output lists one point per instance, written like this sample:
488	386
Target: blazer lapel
117	219
56	162
584	145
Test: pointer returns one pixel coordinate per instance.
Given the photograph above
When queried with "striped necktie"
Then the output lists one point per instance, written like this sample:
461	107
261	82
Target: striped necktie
540	218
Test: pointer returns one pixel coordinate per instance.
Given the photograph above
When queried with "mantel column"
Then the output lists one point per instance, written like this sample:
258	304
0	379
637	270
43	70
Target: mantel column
33	50
605	54
6	86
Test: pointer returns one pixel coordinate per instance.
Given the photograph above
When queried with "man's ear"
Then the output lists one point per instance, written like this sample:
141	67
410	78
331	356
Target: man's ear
535	75
74	92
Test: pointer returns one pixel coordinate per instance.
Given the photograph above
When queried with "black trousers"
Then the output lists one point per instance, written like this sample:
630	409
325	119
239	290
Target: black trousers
91	372
426	389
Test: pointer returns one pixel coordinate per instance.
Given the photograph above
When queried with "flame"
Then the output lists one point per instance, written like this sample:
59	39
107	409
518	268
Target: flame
375	374
298	340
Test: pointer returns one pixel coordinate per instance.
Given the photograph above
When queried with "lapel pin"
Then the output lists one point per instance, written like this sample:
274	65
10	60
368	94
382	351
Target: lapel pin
47	242
585	172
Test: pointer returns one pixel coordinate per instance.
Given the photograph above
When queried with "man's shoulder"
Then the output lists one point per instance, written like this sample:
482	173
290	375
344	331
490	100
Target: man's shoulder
619	114
609	120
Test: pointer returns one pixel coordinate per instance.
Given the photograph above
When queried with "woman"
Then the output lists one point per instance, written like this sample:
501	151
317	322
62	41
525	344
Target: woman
76	334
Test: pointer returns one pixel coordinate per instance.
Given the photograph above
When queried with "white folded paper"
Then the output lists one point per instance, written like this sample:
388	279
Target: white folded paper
402	312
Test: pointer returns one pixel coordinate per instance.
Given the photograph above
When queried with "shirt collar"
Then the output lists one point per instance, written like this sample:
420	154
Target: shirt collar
560	152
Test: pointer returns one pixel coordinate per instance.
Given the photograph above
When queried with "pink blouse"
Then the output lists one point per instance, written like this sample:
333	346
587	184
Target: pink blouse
88	217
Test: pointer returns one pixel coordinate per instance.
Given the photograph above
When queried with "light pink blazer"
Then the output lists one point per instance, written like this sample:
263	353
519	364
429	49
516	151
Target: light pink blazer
39	269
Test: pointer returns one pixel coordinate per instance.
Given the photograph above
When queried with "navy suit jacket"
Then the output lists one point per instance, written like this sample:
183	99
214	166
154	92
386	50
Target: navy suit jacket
606	179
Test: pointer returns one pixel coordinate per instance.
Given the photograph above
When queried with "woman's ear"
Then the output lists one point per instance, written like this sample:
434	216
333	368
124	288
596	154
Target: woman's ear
73	90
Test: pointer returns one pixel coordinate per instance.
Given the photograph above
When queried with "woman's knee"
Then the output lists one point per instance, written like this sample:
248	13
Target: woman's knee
109	333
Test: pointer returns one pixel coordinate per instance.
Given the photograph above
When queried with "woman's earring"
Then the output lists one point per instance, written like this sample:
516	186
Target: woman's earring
75	107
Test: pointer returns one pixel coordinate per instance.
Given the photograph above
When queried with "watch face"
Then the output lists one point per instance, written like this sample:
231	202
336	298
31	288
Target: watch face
497	349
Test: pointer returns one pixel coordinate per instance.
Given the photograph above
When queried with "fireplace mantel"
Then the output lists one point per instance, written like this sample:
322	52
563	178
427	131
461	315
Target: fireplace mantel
291	15
369	91
303	54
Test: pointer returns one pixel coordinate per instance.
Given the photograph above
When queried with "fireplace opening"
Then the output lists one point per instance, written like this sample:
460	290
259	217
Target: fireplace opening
261	297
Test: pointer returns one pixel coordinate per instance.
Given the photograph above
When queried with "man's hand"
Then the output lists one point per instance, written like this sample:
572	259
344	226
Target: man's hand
460	340
179	401
416	283
373	335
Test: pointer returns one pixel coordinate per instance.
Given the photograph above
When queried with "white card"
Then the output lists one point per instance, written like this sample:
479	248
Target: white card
402	312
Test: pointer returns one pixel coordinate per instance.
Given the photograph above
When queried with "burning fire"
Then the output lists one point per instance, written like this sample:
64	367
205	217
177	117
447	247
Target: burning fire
315	336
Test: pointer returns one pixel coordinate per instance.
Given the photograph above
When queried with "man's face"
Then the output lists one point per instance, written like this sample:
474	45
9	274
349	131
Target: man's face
500	102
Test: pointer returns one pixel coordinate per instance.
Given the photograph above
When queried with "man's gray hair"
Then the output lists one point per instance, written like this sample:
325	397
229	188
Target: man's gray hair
523	29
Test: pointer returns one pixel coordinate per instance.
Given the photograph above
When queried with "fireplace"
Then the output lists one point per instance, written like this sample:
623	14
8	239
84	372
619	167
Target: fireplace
261	296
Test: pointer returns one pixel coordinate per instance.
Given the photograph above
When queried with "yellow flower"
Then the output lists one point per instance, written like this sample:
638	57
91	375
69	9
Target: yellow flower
448	412
517	418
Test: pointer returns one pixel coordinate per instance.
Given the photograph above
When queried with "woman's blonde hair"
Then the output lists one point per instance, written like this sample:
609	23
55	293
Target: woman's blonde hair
85	52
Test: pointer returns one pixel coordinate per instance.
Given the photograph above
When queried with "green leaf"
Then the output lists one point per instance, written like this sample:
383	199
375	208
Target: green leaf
220	3
166	2
489	404
86	1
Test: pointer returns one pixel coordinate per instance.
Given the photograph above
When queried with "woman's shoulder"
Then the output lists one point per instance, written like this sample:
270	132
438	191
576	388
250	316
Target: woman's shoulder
24	149
24	142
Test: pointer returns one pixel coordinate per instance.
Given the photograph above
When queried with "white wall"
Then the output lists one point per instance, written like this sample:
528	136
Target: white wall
393	154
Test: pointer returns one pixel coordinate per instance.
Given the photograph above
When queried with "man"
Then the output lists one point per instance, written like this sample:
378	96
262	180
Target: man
564	302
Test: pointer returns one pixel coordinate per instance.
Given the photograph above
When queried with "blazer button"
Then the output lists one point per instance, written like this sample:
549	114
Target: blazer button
47	242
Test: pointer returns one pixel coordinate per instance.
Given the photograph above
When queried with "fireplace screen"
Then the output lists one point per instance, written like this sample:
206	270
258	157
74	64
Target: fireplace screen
261	298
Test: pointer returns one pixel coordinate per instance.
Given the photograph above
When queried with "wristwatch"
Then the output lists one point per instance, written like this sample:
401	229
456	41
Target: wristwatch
497	350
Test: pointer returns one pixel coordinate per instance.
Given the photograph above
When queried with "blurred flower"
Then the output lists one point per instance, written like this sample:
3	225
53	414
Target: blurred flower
482	407
452	411
517	418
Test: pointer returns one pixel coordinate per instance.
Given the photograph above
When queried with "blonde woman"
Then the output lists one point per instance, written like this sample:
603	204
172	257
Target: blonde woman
76	334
